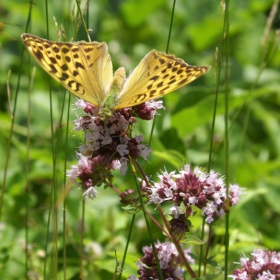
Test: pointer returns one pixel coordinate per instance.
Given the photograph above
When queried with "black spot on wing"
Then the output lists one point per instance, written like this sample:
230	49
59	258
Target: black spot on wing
56	49
169	65
53	60
64	67
154	78
65	50
77	86
152	93
38	54
163	90
160	84
70	83
182	81
53	69
64	77
139	98
88	49
79	65
75	49
46	45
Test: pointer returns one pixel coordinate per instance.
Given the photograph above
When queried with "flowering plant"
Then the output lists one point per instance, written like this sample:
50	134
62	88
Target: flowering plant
265	265
110	145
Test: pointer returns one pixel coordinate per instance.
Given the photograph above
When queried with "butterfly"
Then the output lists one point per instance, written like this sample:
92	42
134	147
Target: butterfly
85	69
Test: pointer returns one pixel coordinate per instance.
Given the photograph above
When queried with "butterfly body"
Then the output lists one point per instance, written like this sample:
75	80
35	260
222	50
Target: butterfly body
110	99
86	70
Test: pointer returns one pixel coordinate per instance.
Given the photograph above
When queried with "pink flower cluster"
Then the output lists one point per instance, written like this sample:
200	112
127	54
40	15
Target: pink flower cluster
168	259
108	145
265	265
205	191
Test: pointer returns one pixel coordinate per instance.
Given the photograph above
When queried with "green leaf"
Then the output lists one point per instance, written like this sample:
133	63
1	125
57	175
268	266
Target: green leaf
188	119
171	156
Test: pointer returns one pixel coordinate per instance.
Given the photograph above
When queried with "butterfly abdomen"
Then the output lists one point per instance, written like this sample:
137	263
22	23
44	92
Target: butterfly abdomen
110	99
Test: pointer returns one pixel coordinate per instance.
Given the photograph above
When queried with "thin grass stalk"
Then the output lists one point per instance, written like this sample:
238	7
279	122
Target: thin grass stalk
27	168
126	245
53	196
170	26
227	158
167	49
64	186
51	113
81	247
82	19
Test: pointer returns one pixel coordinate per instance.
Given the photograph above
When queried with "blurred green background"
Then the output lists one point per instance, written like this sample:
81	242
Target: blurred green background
183	131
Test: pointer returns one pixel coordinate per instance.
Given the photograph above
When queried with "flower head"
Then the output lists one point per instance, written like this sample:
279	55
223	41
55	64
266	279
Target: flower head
205	191
108	145
265	265
147	110
168	259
